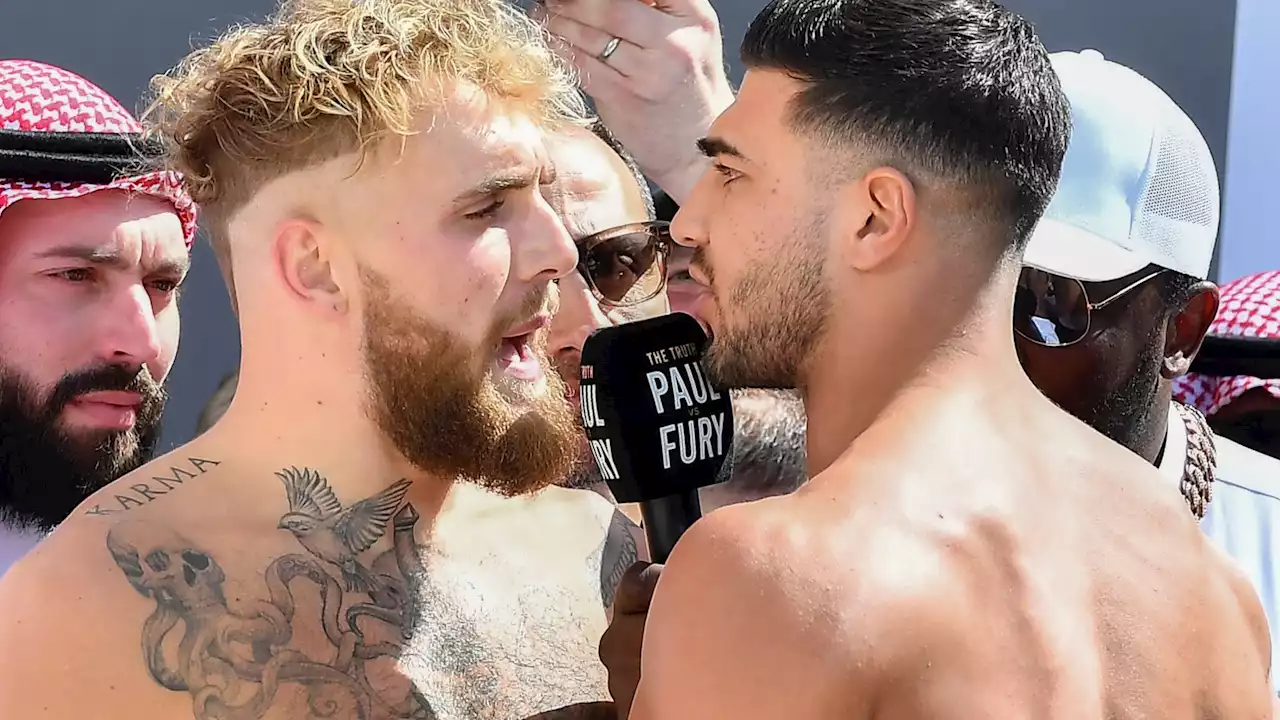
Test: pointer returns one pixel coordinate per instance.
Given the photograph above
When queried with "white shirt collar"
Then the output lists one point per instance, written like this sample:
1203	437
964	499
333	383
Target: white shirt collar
1173	461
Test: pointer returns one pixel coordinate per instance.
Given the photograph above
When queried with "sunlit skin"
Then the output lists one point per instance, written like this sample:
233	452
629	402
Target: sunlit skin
683	291
882	585
87	282
462	249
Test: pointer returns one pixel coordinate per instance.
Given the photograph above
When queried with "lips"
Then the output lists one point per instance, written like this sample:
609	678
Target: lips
117	398
106	409
527	328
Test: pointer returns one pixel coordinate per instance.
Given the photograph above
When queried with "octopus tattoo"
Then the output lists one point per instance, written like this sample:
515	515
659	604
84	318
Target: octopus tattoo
233	658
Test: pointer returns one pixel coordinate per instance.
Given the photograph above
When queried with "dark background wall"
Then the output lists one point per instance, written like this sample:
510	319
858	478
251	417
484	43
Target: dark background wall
1185	46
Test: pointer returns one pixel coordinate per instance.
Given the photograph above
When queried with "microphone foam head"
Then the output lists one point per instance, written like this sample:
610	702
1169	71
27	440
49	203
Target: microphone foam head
656	426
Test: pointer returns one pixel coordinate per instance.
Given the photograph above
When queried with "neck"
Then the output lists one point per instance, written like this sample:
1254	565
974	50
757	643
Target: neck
297	415
911	353
1149	441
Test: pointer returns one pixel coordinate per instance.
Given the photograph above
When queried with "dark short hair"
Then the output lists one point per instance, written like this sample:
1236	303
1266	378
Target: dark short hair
961	90
1176	289
599	129
768	444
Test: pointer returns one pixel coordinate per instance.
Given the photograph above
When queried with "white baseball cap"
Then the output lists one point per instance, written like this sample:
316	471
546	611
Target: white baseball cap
1138	184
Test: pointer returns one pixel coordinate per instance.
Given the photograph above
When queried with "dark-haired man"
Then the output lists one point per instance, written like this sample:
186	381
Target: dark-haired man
1114	302
891	159
605	202
768	440
92	252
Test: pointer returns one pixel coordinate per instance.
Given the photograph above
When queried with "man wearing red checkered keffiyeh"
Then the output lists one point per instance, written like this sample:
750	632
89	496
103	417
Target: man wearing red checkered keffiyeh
1240	406
93	246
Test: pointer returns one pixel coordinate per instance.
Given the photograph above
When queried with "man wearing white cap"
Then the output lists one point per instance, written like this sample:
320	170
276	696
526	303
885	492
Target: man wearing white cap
1114	301
93	247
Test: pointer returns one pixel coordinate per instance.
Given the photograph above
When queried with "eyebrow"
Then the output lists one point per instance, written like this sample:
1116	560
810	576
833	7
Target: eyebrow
713	147
505	181
106	257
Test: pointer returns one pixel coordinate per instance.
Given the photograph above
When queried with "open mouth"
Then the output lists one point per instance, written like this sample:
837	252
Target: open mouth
516	355
517	358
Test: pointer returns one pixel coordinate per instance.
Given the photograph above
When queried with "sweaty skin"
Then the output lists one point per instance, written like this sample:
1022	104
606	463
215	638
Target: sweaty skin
965	549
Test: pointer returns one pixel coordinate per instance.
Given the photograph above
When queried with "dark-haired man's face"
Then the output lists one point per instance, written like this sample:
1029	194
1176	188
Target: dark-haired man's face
593	191
88	333
1112	378
760	230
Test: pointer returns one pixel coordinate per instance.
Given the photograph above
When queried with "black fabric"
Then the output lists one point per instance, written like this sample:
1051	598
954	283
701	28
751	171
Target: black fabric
71	157
1231	356
666	207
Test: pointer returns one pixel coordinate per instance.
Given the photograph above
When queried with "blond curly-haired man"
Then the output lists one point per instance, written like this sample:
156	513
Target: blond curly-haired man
369	531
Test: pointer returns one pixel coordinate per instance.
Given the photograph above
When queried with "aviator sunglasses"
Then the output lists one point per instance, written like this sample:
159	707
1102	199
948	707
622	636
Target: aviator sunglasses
1055	311
626	265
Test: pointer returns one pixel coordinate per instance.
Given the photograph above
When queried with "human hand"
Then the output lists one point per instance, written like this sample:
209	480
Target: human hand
661	85
620	645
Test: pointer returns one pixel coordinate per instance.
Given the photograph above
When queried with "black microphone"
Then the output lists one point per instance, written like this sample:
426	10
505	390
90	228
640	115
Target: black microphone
658	430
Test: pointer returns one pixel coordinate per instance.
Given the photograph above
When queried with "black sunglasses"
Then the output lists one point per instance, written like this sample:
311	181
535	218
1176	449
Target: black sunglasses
626	265
1055	311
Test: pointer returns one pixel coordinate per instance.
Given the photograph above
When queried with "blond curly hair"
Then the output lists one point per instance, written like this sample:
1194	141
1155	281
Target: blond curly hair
325	78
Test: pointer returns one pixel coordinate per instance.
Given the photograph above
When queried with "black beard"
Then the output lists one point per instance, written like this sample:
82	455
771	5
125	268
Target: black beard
49	471
1125	414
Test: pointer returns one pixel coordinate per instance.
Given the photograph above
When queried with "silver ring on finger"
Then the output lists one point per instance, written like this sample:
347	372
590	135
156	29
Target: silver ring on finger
609	49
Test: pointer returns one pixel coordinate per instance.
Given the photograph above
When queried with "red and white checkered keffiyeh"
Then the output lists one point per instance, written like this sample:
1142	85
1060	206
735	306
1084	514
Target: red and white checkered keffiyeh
35	97
1250	307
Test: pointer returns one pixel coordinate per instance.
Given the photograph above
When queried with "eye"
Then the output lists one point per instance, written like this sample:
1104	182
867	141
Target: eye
75	275
166	286
487	211
680	276
727	173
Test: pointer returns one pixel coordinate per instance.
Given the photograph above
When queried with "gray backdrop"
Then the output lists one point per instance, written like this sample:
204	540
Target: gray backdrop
1185	46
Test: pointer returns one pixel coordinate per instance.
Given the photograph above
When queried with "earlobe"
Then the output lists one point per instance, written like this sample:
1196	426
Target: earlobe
886	204
306	265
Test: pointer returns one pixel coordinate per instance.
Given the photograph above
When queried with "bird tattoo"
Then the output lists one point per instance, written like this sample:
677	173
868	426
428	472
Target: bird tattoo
335	534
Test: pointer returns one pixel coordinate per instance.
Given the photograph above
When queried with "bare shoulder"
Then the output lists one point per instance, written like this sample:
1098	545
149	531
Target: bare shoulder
831	595
1240	596
69	631
74	612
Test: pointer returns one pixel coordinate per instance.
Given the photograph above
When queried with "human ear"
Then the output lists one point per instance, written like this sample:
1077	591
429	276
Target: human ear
1187	329
885	202
306	265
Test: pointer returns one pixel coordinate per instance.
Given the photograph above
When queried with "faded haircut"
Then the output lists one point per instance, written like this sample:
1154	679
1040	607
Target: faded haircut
957	92
326	78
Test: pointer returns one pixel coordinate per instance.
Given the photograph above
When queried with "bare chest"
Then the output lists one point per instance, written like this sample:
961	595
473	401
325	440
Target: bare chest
398	631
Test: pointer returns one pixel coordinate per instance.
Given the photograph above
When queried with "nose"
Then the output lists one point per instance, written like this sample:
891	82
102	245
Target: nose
127	331
546	251
688	227
579	315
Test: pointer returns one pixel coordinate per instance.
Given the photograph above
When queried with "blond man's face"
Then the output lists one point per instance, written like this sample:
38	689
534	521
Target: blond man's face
455	250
